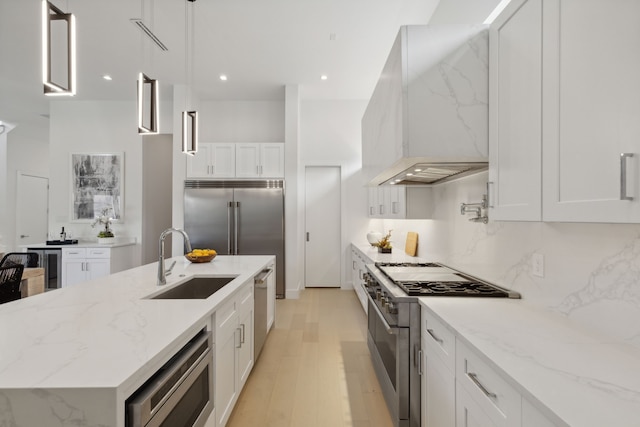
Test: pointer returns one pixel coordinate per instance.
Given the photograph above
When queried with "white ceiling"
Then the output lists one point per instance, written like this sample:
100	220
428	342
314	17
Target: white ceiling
261	45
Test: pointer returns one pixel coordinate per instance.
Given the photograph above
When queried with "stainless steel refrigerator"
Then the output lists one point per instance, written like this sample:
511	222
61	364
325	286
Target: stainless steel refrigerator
237	218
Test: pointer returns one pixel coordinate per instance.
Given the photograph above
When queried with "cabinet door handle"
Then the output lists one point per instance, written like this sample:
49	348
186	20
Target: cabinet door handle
623	176
307	236
381	209
474	377
420	372
394	207
371	211
434	336
242	336
489	195
234	336
86	266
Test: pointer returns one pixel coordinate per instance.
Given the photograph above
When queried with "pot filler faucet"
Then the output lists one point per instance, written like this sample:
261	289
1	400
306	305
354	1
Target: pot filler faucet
162	273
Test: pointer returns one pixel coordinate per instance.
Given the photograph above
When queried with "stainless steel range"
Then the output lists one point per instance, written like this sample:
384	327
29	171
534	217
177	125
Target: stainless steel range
394	324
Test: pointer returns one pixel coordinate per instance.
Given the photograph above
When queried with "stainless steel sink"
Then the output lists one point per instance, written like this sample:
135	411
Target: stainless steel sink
196	288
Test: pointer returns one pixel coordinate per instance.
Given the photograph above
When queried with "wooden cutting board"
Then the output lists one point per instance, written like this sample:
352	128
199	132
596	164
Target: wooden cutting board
411	245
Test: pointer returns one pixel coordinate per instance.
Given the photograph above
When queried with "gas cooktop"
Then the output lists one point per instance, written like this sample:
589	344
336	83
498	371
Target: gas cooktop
432	279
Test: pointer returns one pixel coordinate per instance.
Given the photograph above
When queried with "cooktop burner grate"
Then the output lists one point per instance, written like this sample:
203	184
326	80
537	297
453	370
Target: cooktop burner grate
407	264
449	289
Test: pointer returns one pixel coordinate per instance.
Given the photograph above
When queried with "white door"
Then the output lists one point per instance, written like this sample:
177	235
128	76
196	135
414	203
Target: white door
32	201
322	222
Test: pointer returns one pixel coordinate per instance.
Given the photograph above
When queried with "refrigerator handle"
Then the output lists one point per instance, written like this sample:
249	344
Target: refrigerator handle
229	208
235	227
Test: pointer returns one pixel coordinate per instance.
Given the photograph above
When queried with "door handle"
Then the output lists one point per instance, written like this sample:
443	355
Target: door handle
22	236
229	208
623	176
236	225
307	236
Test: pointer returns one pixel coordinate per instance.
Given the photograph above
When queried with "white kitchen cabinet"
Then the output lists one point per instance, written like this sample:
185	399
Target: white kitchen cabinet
590	111
82	264
245	321
260	160
494	396
358	270
400	202
469	413
533	417
234	350
515	113
213	160
438	382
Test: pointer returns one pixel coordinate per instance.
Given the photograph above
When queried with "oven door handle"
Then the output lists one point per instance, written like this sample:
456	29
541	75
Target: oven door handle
390	329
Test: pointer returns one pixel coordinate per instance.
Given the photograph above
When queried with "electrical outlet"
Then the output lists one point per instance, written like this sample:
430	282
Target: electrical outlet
537	264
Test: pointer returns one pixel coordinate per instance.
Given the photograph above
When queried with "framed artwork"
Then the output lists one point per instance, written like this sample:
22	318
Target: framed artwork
97	182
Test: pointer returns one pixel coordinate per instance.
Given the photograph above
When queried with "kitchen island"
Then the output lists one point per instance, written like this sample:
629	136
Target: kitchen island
73	356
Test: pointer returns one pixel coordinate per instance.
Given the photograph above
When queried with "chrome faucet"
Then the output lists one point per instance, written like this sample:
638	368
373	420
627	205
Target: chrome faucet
162	273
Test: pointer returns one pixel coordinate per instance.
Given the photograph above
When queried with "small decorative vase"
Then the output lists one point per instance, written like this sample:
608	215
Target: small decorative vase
106	240
384	250
374	237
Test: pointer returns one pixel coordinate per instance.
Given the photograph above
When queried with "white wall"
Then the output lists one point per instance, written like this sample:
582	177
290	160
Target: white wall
330	135
592	271
94	127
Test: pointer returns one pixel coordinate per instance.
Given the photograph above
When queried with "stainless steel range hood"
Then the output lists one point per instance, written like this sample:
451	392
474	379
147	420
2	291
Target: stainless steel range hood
429	171
427	120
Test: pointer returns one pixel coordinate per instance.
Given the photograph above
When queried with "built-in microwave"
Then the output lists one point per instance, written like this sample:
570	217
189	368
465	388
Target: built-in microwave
180	393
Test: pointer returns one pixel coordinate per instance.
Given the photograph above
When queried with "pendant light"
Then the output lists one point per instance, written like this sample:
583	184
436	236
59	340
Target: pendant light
147	94
189	116
54	17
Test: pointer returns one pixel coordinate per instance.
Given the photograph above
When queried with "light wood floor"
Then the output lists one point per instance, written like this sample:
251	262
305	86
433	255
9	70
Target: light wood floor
314	370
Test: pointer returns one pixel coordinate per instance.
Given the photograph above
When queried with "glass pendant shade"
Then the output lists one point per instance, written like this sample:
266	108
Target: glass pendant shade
147	105
190	132
58	51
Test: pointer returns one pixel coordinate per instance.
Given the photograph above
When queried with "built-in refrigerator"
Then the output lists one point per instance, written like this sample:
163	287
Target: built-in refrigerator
237	217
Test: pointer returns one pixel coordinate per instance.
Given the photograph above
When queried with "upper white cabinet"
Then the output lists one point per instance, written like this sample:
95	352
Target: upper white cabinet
400	202
515	112
213	160
591	106
564	103
260	160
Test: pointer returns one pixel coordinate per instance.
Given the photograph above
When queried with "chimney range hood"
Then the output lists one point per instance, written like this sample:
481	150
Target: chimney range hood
427	120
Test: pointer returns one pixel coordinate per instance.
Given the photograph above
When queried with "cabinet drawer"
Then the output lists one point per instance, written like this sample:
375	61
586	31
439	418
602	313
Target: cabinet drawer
245	296
438	339
98	252
70	253
501	402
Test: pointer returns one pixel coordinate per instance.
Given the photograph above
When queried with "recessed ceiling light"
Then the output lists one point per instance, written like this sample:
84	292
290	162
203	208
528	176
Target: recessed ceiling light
107	77
409	174
223	77
323	77
417	170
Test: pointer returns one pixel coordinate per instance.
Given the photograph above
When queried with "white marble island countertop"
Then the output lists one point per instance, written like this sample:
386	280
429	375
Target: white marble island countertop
104	334
583	378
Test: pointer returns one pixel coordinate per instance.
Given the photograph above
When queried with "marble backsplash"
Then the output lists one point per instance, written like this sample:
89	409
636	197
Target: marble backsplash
591	271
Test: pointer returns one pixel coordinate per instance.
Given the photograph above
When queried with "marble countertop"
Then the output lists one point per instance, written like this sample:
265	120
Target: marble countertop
581	377
84	244
105	333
